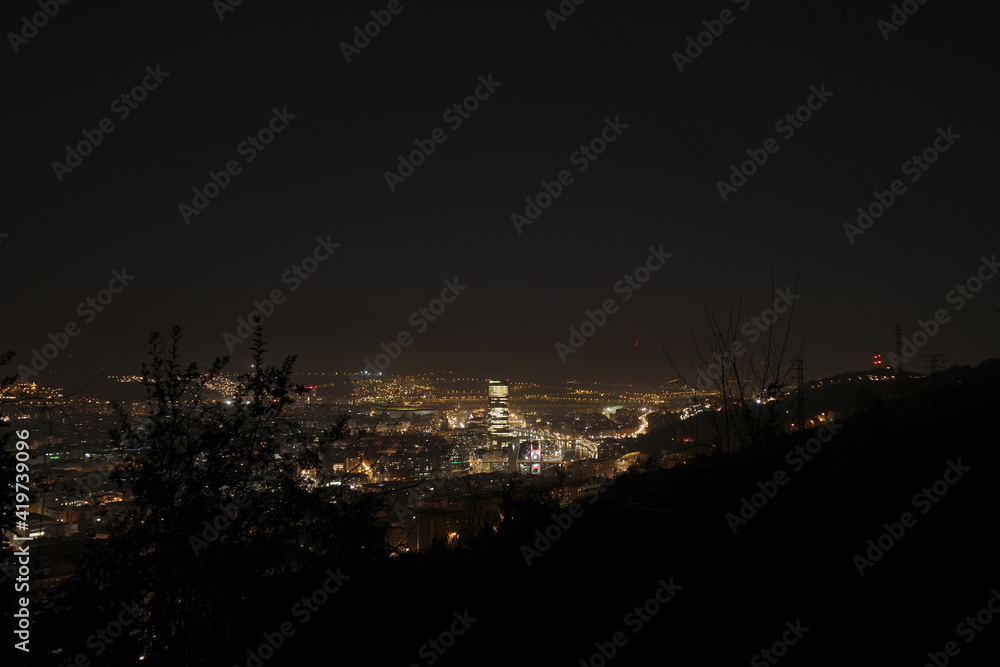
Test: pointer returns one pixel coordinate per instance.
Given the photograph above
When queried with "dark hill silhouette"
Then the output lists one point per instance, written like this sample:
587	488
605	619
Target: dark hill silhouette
792	561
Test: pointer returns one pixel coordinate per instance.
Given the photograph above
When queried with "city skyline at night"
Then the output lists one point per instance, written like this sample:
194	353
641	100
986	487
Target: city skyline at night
326	233
555	333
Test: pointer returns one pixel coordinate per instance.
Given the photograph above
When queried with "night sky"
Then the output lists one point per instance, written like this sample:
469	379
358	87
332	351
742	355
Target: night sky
323	175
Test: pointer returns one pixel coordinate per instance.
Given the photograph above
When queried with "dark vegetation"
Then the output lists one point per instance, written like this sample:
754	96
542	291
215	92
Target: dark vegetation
793	560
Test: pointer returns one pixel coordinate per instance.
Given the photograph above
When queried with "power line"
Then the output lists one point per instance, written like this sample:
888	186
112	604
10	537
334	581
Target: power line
854	153
800	392
901	216
817	290
770	165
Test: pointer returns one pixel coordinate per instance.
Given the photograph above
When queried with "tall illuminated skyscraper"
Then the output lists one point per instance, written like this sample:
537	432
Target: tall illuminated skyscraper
499	420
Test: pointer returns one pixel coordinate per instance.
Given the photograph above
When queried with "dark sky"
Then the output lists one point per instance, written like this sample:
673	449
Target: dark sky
323	176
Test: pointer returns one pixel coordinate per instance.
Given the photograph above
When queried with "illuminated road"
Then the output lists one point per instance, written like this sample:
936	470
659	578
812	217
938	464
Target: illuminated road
643	426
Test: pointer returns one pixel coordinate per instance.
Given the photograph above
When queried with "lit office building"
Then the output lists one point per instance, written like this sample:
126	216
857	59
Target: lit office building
499	416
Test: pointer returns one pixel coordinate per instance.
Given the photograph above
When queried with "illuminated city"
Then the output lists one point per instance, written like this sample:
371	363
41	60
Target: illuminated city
564	333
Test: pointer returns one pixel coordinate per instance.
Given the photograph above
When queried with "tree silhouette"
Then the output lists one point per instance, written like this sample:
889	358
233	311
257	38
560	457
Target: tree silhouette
228	505
746	380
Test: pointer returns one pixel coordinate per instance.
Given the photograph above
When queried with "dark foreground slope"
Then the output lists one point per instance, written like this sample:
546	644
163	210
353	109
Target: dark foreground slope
666	533
794	561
